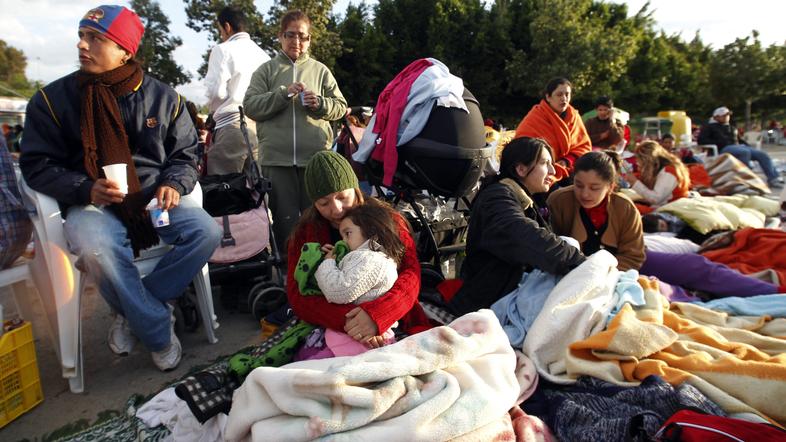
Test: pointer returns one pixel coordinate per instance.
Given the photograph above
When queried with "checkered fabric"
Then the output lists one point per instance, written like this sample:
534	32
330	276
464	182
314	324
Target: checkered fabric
437	313
209	392
15	225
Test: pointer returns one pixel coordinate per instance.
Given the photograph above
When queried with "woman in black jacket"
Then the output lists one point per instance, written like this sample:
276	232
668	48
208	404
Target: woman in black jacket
507	234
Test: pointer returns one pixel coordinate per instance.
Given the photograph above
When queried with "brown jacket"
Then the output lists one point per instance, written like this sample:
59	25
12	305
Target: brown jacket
624	230
597	127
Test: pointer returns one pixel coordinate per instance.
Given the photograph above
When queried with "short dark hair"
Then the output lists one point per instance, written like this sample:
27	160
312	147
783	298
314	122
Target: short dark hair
606	164
293	16
604	101
670	136
554	84
234	16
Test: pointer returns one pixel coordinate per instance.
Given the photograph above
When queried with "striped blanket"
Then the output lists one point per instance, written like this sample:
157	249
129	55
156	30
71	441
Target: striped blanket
738	362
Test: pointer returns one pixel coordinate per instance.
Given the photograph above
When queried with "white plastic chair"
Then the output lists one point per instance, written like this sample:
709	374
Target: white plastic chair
753	138
709	149
60	284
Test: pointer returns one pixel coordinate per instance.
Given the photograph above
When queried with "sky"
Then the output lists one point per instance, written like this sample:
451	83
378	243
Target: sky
45	30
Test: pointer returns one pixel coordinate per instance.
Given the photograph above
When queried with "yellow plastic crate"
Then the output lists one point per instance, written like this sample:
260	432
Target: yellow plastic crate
20	385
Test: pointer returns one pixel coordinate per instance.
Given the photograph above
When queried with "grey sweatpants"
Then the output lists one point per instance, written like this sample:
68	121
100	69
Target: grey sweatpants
287	200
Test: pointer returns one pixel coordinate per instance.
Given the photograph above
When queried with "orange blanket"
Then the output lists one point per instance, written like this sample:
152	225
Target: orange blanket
568	138
754	250
699	178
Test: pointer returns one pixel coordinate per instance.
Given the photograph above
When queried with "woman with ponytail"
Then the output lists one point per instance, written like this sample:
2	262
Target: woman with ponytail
507	234
662	176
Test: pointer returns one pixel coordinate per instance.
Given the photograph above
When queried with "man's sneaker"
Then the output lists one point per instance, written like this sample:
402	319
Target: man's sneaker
776	183
168	358
121	340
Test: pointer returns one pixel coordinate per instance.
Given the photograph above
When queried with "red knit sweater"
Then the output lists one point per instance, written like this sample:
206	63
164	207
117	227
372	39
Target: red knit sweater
398	304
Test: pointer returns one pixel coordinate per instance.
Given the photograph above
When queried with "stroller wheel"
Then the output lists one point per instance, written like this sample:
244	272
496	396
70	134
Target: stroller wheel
255	289
267	301
430	276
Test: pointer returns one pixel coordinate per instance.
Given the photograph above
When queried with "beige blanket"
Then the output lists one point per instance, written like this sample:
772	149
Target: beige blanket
438	385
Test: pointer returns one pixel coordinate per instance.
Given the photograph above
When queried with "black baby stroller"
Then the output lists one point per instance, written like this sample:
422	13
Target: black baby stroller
437	171
247	264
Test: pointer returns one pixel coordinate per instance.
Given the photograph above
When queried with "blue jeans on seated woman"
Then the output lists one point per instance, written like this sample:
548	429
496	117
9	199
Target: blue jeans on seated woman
98	237
746	154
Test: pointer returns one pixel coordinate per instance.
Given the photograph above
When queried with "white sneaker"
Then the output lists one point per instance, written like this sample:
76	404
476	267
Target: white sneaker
121	339
168	358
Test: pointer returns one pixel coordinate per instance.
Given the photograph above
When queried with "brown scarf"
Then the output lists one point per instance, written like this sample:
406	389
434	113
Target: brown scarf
106	142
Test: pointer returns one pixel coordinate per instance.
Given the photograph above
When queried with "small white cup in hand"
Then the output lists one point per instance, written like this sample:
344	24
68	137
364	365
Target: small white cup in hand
117	173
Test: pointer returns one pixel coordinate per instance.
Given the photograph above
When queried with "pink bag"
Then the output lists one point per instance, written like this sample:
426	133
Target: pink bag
245	235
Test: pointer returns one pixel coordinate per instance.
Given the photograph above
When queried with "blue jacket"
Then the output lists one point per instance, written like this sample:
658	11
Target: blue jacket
161	134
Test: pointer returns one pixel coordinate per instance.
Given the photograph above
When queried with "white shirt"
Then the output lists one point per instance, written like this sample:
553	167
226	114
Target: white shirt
661	193
362	275
229	72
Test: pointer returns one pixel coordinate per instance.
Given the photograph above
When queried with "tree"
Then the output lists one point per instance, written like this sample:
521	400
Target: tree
201	17
155	50
589	43
12	71
359	71
743	72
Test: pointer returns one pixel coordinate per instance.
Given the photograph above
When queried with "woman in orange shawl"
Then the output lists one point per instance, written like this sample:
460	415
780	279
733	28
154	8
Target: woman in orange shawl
559	123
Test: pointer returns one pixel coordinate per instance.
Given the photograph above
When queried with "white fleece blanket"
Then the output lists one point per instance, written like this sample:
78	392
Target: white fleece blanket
433	386
576	308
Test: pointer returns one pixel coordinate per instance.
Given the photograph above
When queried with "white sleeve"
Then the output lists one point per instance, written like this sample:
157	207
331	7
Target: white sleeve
358	274
216	78
660	194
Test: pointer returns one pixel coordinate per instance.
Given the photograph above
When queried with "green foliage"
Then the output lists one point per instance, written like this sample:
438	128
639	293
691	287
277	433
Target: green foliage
506	51
13	80
589	43
744	72
155	50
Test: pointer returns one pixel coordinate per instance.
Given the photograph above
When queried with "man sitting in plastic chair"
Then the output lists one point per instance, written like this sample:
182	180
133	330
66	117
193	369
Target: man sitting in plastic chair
722	134
108	142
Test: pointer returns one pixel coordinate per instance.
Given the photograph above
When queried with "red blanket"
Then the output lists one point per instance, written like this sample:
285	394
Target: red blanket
754	250
568	138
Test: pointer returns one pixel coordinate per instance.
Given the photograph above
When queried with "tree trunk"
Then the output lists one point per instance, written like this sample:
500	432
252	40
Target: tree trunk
748	103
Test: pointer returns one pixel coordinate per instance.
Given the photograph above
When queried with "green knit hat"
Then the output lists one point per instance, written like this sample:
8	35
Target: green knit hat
328	172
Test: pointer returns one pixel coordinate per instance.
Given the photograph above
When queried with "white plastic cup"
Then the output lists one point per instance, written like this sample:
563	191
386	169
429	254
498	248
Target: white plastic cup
117	173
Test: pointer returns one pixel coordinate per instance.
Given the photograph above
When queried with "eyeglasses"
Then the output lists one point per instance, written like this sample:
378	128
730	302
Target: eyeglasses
290	35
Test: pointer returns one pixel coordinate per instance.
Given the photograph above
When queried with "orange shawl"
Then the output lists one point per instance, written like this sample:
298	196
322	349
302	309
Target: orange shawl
681	191
568	138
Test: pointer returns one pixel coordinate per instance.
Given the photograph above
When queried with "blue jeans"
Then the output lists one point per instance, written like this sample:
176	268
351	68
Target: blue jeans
746	154
98	237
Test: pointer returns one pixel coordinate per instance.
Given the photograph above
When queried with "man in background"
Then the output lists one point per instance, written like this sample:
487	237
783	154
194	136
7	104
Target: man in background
722	134
604	131
228	74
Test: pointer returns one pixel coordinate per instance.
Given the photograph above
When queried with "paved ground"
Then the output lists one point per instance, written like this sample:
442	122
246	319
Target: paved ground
111	380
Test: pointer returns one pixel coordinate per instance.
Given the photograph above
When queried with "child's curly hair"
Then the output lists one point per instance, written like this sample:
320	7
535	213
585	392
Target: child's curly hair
378	223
